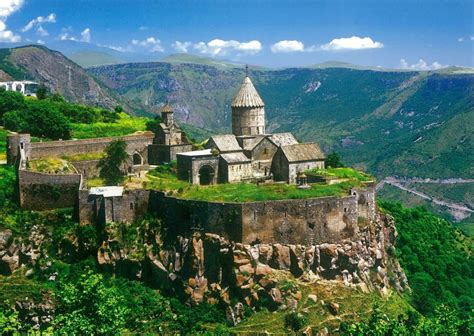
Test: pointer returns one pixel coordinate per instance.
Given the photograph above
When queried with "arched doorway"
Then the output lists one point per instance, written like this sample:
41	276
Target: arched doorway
137	159
206	175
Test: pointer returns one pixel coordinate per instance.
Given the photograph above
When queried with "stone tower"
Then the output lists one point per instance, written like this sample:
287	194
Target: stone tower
167	115
248	112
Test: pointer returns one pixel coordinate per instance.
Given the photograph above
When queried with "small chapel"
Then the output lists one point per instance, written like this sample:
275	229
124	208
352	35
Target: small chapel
249	154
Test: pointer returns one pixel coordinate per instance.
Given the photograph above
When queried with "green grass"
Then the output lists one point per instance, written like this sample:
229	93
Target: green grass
341	173
124	126
3	143
50	166
164	178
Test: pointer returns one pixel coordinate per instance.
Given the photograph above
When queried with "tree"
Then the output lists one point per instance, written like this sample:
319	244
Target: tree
87	306
111	165
333	161
39	118
118	109
41	92
10	101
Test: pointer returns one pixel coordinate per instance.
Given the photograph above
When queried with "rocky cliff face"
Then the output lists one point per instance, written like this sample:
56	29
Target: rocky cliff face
57	73
206	267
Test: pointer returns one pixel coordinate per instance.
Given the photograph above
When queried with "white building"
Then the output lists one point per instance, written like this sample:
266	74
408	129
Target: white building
27	88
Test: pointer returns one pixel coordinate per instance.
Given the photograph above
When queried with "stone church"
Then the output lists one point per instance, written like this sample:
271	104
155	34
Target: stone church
249	153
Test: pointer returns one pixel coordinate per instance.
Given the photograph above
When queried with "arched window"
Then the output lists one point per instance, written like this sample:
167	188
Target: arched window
137	159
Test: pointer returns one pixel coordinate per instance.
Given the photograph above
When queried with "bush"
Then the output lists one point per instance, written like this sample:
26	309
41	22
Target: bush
296	321
111	165
10	101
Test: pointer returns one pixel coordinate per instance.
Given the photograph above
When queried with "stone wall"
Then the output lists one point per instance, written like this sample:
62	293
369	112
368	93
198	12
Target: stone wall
166	153
40	191
88	168
302	221
131	206
136	143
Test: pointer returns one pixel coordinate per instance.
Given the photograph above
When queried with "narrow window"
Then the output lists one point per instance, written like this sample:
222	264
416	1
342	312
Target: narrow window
255	215
131	206
21	145
345	209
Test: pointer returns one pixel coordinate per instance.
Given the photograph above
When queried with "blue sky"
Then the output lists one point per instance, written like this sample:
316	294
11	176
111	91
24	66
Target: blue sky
420	34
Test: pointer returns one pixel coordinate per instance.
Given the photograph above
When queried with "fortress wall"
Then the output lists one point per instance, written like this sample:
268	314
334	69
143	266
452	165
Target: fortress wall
88	168
184	216
40	191
366	206
305	221
135	143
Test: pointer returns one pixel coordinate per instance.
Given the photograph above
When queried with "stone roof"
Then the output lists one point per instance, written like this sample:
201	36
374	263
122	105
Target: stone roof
247	96
303	152
283	139
251	143
167	108
238	157
224	143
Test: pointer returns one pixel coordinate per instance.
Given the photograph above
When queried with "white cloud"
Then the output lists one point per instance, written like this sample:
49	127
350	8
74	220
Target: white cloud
460	39
7	7
41	31
65	36
181	47
40	42
351	43
471	38
143	28
51	18
287	46
218	47
421	65
86	35
153	44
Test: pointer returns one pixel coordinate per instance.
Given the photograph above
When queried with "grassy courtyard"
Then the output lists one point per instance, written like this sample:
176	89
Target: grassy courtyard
164	178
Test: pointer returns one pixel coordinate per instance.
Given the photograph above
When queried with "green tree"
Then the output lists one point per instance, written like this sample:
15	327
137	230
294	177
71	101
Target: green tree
87	306
118	109
42	92
111	165
333	161
10	101
9	323
39	118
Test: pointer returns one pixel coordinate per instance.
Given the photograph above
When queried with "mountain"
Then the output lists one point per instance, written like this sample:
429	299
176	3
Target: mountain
57	73
389	122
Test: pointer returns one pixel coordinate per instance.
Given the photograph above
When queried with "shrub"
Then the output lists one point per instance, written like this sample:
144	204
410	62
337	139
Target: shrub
111	165
296	321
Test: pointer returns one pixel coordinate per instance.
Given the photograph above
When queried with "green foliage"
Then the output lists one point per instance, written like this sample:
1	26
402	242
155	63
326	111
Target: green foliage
295	321
9	323
341	173
87	306
42	92
124	125
39	118
10	101
333	161
444	322
436	258
111	165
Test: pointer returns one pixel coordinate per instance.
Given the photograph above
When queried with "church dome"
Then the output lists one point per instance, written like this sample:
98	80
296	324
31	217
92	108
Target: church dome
247	96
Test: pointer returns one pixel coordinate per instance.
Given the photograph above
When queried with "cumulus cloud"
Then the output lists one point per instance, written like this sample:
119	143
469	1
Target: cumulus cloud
7	7
51	18
86	35
40	42
421	65
151	43
351	43
218	47
181	47
287	46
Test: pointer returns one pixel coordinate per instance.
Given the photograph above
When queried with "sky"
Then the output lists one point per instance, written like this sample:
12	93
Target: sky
416	34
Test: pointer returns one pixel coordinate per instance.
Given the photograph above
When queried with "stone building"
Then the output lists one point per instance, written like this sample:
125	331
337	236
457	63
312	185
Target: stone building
169	139
293	159
249	153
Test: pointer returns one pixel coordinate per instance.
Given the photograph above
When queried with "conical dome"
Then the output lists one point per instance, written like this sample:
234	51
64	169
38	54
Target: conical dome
167	108
247	96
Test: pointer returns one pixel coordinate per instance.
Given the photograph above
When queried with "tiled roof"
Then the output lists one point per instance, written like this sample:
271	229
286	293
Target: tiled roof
247	96
283	139
303	152
224	143
167	108
238	157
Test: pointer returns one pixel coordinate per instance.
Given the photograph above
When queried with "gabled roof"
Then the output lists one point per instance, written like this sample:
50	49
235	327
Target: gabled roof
203	152
284	139
224	143
302	152
233	158
247	96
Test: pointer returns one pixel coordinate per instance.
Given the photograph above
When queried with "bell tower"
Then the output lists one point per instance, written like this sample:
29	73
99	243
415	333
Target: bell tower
248	110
